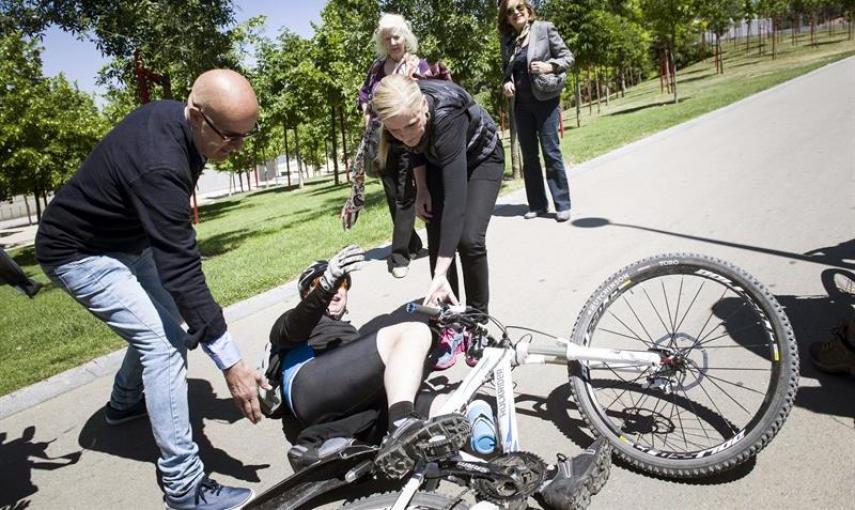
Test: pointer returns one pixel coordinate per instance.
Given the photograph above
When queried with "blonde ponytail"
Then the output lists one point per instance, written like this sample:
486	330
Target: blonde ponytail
394	95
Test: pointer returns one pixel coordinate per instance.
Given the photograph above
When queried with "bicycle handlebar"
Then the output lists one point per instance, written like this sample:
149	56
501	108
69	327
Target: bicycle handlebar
435	312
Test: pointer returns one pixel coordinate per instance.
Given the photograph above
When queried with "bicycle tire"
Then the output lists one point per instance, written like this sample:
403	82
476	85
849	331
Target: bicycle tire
422	500
632	433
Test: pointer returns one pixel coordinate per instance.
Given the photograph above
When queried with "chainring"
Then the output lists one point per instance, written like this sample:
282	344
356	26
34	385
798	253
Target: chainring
526	469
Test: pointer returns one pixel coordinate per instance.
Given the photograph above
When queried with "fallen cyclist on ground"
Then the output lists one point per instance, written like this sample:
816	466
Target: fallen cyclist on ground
341	387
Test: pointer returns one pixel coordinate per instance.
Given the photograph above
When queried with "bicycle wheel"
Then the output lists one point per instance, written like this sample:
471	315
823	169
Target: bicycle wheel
422	500
729	370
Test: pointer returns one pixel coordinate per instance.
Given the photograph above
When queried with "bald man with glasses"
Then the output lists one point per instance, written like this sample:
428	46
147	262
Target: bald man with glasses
118	238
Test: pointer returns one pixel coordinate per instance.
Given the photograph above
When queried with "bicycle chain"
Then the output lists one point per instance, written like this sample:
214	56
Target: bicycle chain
527	469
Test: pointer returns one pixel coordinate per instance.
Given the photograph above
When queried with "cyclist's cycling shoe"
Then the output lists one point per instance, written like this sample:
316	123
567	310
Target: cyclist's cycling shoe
209	495
451	343
301	456
417	439
576	480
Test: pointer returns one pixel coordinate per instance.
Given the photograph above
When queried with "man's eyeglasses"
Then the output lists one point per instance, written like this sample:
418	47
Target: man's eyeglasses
520	7
228	137
344	284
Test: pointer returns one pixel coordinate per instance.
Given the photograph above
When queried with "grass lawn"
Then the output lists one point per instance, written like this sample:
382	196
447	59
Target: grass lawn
256	241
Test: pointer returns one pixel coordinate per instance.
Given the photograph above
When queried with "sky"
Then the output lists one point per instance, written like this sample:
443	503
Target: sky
80	60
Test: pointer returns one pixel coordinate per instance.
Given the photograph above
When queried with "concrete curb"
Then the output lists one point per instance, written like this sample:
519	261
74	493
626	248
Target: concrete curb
108	364
40	392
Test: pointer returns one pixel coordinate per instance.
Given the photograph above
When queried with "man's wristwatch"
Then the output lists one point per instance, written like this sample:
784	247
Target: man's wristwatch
554	67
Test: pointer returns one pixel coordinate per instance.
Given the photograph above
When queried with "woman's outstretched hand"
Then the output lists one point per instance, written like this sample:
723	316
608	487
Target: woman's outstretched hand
439	293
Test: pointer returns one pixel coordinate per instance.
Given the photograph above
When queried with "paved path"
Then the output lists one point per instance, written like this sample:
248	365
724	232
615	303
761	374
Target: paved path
768	184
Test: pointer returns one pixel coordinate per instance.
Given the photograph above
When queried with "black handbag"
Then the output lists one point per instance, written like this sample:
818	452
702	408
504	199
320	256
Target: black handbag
549	83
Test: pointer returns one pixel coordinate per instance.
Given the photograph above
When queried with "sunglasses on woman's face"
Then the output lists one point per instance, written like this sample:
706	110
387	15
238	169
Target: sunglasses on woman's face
520	7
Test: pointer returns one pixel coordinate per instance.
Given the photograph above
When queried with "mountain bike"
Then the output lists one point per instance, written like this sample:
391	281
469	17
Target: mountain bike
686	364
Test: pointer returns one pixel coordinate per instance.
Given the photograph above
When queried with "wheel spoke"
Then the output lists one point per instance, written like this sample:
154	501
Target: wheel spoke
691	304
656	311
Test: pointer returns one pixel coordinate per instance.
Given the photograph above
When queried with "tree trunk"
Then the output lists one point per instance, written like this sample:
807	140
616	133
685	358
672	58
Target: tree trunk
516	157
673	70
623	82
813	30
287	157
334	146
578	97
299	159
748	38
38	205
795	27
29	214
590	94
344	143
774	38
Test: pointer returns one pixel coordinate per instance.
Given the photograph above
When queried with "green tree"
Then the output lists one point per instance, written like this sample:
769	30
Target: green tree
180	38
719	15
667	19
47	126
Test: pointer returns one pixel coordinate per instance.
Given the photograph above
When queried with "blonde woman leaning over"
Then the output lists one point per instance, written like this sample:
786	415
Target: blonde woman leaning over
441	125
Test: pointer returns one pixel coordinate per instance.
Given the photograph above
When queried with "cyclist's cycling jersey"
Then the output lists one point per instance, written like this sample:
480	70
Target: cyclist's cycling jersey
307	323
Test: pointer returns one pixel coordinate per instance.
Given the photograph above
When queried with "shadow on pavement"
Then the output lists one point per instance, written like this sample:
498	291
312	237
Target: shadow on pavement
812	319
555	408
510	210
842	255
18	458
134	440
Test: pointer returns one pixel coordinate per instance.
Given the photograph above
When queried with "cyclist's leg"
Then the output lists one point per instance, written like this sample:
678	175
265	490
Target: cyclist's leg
403	349
339	382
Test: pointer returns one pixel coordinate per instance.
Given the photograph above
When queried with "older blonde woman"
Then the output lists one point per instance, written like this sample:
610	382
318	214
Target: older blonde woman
396	54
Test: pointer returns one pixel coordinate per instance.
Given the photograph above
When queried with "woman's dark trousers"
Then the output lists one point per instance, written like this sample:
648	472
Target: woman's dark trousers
401	197
485	180
537	124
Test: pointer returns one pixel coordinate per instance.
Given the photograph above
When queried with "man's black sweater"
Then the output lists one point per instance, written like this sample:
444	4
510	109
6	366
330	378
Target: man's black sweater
133	192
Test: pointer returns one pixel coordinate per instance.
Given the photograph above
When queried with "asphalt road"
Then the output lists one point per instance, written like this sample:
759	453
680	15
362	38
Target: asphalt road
768	184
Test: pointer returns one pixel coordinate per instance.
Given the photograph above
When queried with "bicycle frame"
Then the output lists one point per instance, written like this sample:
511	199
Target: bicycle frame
498	363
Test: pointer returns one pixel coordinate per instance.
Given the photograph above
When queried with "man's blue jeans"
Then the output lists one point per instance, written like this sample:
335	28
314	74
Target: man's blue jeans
538	122
124	291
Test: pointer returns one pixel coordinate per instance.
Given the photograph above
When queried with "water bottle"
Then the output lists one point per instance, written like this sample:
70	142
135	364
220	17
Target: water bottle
480	416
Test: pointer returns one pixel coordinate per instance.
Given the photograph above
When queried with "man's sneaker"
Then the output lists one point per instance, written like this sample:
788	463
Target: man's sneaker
562	216
114	416
533	214
400	271
576	480
209	495
302	456
834	356
418	439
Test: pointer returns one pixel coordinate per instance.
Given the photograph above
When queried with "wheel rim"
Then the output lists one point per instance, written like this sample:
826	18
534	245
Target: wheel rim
721	362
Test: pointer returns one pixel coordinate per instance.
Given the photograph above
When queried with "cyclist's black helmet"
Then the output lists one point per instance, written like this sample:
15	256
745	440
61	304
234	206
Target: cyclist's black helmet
315	269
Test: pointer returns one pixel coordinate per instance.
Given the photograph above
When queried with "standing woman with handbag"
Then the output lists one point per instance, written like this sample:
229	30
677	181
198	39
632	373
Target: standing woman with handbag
535	60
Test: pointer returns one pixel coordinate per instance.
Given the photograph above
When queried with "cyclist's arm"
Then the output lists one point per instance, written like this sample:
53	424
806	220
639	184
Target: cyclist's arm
293	327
